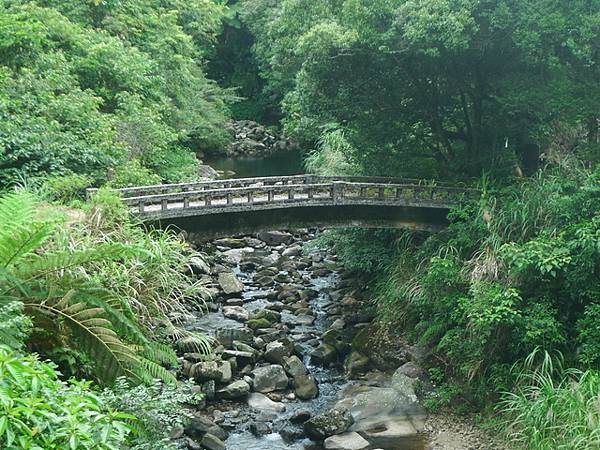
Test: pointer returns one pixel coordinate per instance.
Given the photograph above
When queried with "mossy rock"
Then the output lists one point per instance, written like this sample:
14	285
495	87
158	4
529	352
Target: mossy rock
361	341
267	314
256	324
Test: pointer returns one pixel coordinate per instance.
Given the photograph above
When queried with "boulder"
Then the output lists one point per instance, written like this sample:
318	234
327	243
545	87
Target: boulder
208	370
410	369
334	421
270	378
227	336
346	441
199	266
230	284
236	313
276	351
391	432
230	242
275	237
211	442
263	403
294	366
305	387
324	354
242	358
235	390
355	363
257	324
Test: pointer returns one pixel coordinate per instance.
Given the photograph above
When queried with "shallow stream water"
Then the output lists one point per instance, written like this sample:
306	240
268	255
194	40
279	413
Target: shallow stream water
331	380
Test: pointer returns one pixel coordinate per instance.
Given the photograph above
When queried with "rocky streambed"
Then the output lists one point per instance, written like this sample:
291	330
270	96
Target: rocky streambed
297	365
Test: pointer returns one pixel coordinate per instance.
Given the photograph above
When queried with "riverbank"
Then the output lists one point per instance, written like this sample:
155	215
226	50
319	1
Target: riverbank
290	362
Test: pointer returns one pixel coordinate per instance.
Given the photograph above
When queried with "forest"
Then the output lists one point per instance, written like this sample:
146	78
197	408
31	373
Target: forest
498	95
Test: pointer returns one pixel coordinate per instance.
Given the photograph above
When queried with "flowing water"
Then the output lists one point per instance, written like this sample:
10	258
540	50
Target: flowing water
241	420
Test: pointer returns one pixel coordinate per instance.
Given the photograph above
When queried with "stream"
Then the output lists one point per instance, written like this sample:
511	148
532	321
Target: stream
296	312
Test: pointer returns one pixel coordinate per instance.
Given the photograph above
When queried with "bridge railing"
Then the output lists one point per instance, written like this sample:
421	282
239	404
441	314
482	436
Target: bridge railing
261	181
208	201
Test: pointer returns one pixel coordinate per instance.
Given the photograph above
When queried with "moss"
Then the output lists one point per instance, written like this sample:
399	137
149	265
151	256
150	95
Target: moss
255	324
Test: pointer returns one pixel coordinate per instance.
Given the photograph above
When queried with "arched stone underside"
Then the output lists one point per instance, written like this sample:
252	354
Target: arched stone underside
206	227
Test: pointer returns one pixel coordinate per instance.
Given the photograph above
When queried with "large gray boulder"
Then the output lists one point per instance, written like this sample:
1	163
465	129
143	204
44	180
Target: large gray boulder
230	284
270	378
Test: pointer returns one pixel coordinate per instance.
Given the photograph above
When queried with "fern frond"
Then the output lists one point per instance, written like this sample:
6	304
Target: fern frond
112	357
149	371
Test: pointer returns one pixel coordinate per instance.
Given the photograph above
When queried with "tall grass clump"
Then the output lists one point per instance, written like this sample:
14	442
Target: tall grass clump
552	408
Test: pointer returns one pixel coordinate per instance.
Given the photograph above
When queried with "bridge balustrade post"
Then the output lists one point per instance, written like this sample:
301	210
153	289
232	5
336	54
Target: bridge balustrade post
141	206
186	202
398	193
229	198
290	194
164	204
208	200
310	193
381	193
363	192
337	191
270	195
251	197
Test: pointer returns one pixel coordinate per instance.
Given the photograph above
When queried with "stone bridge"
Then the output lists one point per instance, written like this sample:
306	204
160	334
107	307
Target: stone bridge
225	207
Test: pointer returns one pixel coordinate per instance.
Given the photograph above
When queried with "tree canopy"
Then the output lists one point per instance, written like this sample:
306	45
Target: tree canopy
96	87
433	87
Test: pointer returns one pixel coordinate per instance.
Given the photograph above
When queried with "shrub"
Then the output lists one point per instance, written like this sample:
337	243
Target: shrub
158	409
552	408
38	411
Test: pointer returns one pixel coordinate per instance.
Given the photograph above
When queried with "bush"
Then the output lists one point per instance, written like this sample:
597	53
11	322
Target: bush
552	408
158	409
40	411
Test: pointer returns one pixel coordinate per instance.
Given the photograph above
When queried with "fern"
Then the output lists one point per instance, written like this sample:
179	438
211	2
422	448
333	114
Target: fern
52	290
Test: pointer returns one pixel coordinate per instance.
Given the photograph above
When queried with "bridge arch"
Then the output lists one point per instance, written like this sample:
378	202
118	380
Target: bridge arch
224	207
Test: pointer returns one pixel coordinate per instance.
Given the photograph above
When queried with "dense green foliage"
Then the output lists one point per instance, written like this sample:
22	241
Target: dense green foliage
114	90
437	87
38	411
88	291
519	271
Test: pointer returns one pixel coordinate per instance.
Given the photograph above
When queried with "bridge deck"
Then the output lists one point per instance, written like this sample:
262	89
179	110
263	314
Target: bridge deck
255	194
